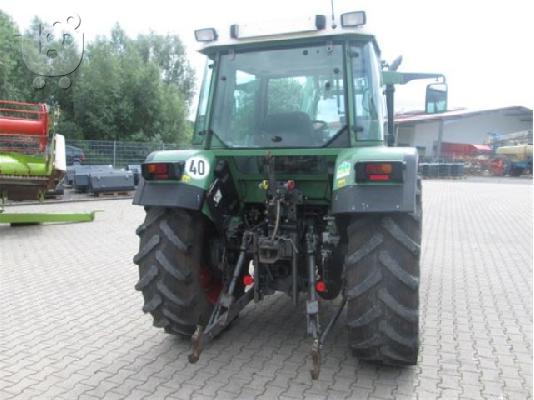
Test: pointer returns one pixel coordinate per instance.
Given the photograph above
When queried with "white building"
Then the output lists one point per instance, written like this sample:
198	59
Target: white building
428	131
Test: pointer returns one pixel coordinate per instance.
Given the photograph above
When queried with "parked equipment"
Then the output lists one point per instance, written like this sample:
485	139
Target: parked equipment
32	161
106	181
136	170
81	178
289	186
512	160
441	170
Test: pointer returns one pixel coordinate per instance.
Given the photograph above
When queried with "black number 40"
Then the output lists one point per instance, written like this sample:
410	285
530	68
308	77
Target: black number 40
197	169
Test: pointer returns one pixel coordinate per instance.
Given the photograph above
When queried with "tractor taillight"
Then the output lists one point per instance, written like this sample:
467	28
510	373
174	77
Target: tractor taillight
162	171
376	171
377	177
158	169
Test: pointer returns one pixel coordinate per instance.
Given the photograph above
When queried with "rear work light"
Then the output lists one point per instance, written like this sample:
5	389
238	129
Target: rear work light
206	35
353	19
162	171
379	171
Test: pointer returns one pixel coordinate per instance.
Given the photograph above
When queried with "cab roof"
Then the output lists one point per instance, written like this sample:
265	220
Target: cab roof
279	31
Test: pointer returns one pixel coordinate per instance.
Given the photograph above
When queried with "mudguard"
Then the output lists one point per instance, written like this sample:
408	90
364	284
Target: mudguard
346	196
188	192
352	197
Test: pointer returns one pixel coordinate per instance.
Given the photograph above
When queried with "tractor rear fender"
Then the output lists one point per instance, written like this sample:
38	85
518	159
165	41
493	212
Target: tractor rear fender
188	190
396	194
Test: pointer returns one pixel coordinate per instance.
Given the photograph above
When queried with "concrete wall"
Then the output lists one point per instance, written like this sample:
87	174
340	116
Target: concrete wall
469	130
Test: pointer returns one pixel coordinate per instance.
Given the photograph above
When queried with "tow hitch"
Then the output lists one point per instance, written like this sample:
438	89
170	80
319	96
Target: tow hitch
226	309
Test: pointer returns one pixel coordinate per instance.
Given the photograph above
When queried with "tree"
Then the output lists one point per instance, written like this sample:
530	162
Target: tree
12	68
124	89
168	53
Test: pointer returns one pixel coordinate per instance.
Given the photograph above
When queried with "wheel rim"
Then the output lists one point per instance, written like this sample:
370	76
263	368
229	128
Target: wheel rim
210	284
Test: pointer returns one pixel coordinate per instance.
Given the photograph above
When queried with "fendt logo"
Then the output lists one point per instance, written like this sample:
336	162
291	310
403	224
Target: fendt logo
54	51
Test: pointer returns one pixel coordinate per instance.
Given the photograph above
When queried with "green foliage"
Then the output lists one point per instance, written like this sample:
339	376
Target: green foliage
285	95
125	89
13	72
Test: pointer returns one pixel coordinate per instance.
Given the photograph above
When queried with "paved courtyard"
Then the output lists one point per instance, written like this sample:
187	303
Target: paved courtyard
71	324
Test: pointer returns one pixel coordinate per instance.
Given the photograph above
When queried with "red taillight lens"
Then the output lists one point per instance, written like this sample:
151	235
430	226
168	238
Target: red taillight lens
158	169
378	169
378	177
162	171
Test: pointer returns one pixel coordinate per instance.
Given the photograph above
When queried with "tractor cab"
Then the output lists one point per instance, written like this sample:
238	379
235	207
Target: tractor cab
318	87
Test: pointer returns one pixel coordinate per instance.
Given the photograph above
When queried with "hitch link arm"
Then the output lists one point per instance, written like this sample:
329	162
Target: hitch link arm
312	305
218	321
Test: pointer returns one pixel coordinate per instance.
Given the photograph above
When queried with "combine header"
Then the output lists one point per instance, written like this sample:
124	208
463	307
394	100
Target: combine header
32	161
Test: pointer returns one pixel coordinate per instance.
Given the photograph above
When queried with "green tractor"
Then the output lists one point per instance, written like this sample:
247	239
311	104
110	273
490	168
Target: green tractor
290	185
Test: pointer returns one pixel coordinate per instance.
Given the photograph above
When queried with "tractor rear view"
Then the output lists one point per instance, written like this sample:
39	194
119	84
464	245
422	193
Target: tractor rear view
290	185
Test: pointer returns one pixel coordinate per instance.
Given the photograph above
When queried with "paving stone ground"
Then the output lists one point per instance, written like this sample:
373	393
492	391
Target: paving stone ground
71	325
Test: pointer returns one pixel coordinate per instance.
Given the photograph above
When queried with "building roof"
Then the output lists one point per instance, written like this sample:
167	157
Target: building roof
420	116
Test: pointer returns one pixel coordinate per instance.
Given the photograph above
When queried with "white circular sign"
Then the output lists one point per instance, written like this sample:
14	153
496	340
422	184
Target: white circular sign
197	167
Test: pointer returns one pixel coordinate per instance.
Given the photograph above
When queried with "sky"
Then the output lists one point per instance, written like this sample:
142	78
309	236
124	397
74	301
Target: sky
481	47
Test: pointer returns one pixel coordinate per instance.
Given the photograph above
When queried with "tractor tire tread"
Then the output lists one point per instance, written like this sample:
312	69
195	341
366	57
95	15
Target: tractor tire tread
169	270
382	279
148	277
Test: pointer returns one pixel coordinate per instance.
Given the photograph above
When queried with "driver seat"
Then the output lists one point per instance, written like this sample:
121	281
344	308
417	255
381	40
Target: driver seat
294	124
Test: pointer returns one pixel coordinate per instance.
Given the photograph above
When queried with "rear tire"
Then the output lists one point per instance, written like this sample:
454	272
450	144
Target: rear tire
172	270
382	286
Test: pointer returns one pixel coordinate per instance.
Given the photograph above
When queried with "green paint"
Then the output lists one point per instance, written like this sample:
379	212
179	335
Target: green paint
43	218
317	188
24	165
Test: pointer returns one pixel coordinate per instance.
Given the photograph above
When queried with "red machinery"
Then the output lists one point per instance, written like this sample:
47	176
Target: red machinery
31	161
26	120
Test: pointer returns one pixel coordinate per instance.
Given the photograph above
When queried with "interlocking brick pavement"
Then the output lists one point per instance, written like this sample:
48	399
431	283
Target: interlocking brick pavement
71	324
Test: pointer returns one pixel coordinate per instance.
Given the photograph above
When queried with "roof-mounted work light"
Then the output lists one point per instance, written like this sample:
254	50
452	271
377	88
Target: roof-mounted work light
355	18
206	35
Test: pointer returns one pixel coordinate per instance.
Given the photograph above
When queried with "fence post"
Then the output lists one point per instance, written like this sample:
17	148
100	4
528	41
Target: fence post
114	152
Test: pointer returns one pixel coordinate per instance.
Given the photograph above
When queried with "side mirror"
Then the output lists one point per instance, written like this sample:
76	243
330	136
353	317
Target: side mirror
436	98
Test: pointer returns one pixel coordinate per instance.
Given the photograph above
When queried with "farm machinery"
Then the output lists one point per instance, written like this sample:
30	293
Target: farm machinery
290	185
32	161
512	160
